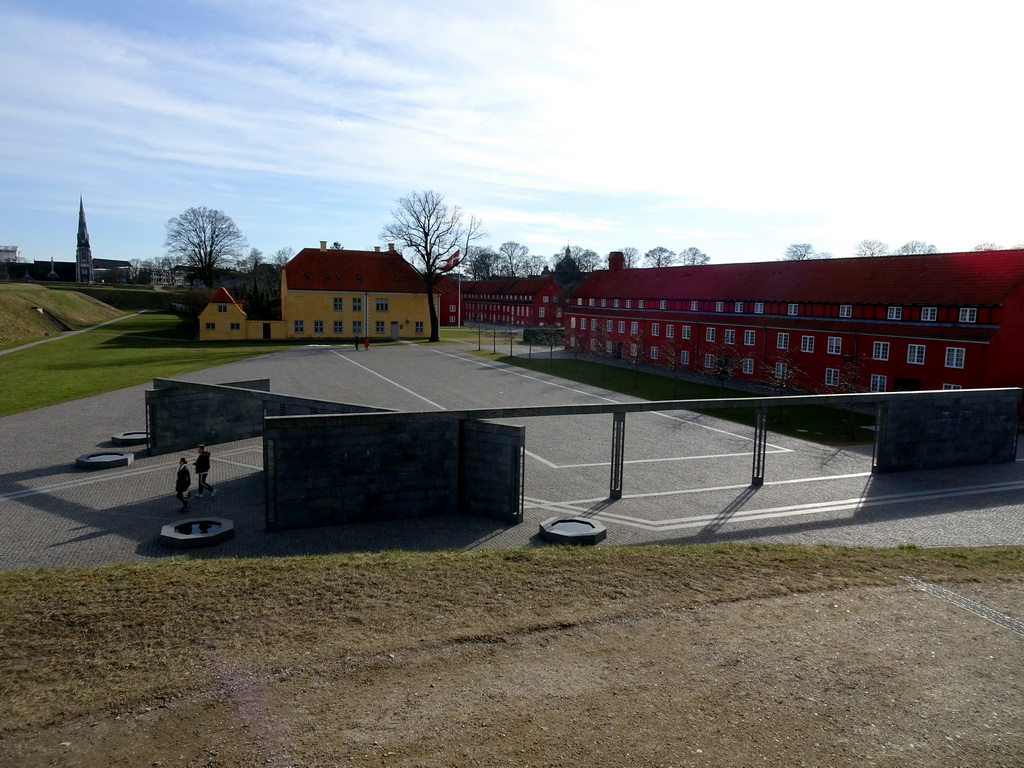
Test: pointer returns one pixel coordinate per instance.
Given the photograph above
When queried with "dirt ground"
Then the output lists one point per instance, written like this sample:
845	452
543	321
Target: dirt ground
867	676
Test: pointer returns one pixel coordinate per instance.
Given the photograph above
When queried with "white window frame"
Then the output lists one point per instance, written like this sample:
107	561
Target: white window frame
929	314
655	329
792	309
670	331
955	357
686	331
915	354
782	340
730	336
634	327
737	307
880	351
318	326
831	377
622	326
951	386
846	310
758	307
878	382
694	306
299	326
684	357
719	306
662	304
894	313
749	338
654	353
709	360
748	365
709	334
781	369
835	345
806	343
968	314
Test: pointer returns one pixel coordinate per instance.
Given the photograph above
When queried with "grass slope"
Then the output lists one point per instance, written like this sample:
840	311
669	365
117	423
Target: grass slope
20	324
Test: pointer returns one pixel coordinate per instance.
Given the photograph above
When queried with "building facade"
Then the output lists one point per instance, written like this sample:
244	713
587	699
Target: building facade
503	301
332	295
887	323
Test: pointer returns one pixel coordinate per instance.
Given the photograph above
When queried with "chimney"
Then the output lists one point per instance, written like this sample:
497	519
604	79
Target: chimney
376	249
616	261
391	247
323	245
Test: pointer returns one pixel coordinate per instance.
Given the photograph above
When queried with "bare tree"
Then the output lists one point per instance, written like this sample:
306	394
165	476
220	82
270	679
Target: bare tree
871	248
914	247
799	252
250	261
205	240
693	257
513	258
586	259
481	262
535	264
660	257
631	257
987	247
433	231
281	256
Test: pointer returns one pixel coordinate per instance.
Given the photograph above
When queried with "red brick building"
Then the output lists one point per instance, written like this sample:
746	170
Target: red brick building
503	301
888	323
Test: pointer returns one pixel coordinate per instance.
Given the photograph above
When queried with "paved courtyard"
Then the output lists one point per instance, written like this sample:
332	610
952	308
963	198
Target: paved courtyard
686	480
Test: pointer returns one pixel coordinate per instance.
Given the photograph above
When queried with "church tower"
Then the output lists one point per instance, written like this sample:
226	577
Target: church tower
83	256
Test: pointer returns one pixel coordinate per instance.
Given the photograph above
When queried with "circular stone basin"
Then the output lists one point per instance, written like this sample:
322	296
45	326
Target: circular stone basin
572	530
197	532
105	460
130	438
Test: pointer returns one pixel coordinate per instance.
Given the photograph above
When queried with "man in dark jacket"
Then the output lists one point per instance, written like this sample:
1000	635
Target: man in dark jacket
182	483
202	470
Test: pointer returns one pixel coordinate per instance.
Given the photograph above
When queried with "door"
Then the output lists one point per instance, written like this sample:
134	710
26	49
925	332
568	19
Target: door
394	329
266	330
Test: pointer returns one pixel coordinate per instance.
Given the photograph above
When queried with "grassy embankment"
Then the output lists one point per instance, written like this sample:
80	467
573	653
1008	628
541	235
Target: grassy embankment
79	640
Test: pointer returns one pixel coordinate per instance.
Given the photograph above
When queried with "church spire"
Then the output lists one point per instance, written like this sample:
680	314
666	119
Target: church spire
83	255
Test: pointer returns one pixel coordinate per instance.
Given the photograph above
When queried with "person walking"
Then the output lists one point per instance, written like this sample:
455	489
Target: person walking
203	471
366	343
355	340
182	482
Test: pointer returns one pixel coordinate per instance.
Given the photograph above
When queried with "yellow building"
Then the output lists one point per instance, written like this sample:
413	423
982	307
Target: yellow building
332	295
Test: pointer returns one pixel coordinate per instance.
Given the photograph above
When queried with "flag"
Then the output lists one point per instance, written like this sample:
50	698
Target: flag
450	263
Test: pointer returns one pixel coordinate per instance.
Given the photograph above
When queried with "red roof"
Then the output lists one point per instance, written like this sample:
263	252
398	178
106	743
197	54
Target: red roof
223	297
975	278
313	269
508	286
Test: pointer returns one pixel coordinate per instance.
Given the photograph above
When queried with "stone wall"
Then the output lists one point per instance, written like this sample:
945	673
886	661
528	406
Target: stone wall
181	414
951	428
492	474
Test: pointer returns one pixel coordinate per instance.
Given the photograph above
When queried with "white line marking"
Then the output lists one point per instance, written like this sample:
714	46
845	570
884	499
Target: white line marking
348	359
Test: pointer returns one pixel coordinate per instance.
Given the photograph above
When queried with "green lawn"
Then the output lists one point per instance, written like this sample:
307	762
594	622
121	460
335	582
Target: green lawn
131	351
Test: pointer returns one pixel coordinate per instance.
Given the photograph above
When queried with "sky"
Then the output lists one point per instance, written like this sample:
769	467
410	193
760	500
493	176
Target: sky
734	127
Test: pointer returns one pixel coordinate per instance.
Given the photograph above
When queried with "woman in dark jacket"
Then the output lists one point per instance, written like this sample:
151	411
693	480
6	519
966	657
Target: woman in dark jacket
182	483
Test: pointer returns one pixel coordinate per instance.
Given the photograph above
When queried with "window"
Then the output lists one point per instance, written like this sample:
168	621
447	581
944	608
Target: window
694	306
339	327
640	304
419	327
880	351
382	305
593	323
894	313
662	304
629	303
222	307
719	306
452	308
968	315
608	324
951	386
748	338
318	326
758	307
591	302
781	369
540	311
846	310
831	377
655	329
632	350
634	327
572	322
357	304
211	326
835	345
686	331
357	327
782	341
298	326
654	353
730	336
709	361
622	326
806	343
915	354
379	327
748	365
955	357
236	326
877	383
593	345
737	306
614	303
792	309
339	304
929	314
684	357
709	334
608	347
